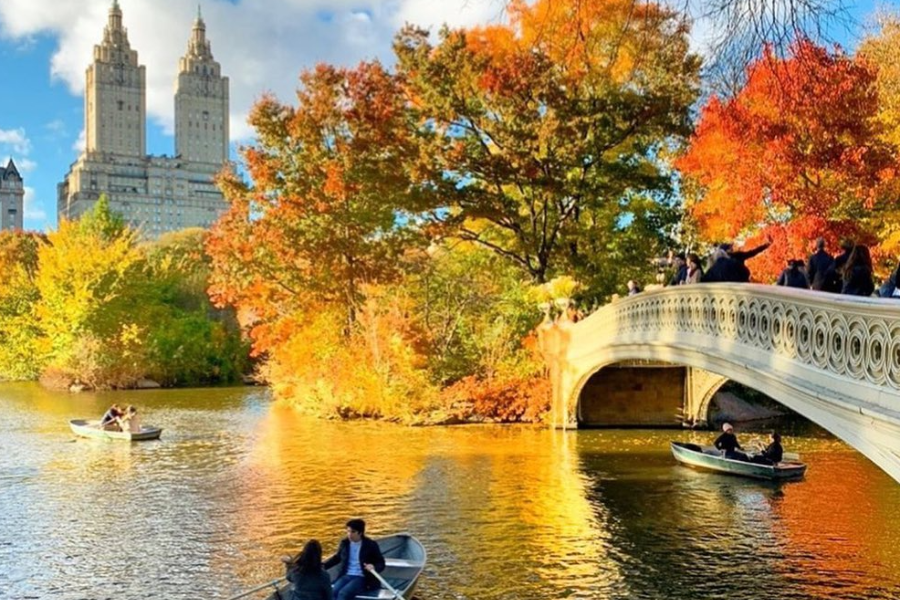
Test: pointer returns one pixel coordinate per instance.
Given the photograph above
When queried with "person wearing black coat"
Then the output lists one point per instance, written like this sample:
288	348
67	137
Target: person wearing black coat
727	264
818	266
742	256
356	555
722	268
834	274
309	581
858	273
793	276
729	444
681	269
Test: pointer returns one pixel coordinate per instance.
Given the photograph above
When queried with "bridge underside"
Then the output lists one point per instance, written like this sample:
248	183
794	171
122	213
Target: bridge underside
623	391
647	394
833	359
631	395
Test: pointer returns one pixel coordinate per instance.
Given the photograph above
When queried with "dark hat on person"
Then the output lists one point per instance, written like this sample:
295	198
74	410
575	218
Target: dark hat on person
727	247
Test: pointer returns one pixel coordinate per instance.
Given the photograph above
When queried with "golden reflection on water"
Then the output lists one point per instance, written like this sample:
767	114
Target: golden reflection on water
505	512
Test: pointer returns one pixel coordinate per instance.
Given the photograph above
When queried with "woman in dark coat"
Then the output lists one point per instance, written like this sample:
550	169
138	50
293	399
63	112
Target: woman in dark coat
858	273
728	443
310	581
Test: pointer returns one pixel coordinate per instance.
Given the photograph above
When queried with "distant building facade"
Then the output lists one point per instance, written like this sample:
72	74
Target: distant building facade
155	194
12	197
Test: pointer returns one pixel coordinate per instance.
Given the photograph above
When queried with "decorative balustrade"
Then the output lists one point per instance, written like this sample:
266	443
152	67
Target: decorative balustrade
849	337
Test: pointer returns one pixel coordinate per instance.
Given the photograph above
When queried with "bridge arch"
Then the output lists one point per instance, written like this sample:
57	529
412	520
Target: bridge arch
833	359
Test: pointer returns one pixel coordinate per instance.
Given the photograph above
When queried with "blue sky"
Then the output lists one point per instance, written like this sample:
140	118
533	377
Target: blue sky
46	45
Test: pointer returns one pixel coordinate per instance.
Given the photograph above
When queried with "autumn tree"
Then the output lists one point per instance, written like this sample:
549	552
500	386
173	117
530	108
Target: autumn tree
796	154
187	340
545	137
880	51
324	213
20	357
90	278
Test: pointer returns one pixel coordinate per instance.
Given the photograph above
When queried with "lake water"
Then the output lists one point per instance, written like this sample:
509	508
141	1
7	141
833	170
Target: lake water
504	512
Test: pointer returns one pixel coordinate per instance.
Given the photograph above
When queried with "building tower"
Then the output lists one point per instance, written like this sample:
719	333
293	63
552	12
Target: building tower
154	194
12	197
201	103
115	94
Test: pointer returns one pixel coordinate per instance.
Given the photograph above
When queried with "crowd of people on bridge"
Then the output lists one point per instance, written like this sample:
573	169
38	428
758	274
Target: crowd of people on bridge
848	272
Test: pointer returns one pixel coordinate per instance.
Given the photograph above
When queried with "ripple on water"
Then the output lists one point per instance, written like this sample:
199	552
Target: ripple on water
505	512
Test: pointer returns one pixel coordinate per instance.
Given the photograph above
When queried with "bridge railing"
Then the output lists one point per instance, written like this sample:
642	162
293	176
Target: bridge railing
848	336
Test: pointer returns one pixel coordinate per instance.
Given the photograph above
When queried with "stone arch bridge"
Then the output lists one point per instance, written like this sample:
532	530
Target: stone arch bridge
657	358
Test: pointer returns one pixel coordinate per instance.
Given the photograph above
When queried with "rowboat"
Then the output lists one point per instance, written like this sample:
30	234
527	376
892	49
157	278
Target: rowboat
404	559
712	459
92	429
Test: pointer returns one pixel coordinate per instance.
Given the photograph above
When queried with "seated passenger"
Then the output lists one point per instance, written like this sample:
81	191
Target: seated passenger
130	421
310	581
774	452
110	418
729	444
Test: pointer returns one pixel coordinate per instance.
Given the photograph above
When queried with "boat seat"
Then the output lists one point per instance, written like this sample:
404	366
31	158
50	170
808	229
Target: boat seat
402	562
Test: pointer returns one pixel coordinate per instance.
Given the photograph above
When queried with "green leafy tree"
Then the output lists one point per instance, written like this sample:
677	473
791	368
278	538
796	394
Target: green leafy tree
188	340
546	137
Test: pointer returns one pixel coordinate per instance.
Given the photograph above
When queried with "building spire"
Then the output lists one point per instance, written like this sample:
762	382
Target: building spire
198	46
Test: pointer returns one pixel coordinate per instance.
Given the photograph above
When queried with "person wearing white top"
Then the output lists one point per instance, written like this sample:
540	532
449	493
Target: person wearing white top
357	555
130	421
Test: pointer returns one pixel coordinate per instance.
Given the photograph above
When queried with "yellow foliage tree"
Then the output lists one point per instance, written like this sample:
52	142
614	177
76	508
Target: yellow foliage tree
90	274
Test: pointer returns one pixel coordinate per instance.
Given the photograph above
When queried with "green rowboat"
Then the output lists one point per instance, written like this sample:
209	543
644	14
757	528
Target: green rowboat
91	429
711	459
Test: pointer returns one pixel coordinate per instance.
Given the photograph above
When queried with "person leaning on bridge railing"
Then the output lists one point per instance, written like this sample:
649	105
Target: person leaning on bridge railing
793	276
857	273
818	266
889	288
728	264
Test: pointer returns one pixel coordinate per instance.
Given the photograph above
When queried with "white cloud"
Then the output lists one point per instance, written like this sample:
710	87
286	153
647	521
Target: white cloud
33	211
25	165
262	44
16	140
79	144
56	126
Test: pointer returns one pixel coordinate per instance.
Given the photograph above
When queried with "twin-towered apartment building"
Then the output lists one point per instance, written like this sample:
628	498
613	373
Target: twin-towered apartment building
153	193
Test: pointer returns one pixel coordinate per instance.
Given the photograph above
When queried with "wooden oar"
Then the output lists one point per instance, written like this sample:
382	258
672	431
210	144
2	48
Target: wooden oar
274	584
384	582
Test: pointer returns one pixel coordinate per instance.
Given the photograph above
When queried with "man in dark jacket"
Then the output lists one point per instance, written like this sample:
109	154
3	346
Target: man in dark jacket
356	555
818	266
793	276
679	266
835	274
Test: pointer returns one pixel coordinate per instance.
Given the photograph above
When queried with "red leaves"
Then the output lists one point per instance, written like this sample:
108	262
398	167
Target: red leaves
795	154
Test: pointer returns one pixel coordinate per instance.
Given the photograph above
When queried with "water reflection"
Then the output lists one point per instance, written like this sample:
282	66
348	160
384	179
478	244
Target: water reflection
505	512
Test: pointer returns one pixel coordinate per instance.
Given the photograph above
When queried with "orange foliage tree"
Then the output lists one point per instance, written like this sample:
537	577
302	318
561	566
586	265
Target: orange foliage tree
795	154
330	216
321	217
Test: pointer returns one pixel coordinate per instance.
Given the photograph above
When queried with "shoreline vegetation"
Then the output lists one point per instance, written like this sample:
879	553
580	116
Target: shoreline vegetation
400	227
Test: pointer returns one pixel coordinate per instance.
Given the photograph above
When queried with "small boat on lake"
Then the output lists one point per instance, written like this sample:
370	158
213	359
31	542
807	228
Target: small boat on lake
712	459
92	429
404	558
